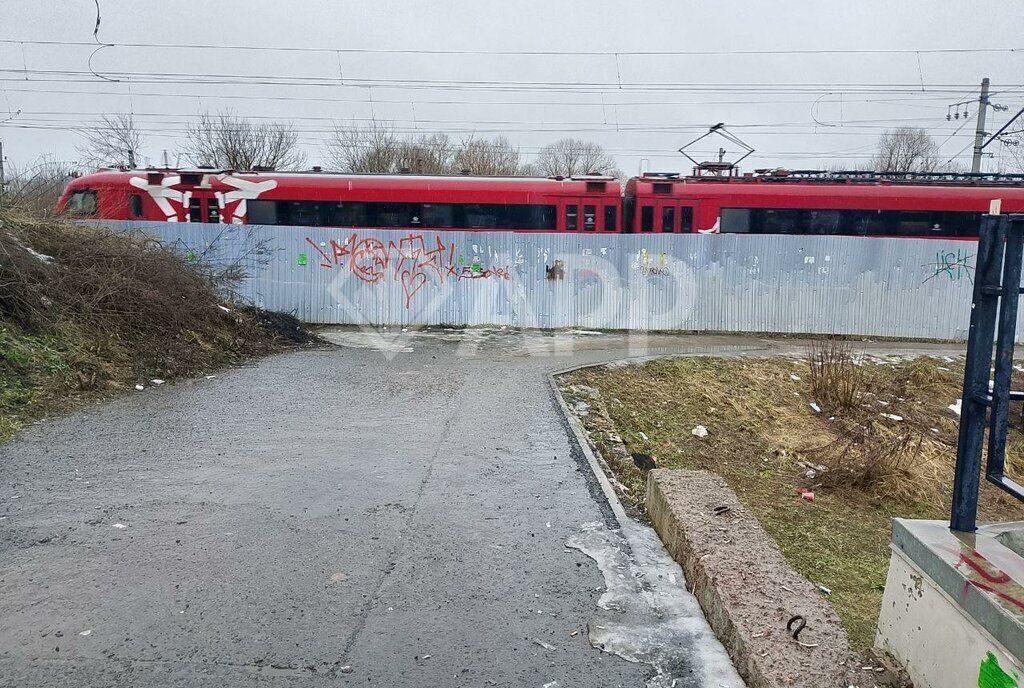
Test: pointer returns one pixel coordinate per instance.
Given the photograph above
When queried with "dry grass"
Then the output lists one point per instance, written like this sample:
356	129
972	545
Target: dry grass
767	441
84	311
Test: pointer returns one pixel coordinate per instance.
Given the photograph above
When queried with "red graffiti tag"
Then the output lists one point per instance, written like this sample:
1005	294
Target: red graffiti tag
413	262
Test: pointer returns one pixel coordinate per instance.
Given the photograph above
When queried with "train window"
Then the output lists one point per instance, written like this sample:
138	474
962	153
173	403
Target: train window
479	216
394	214
668	219
261	212
570	217
81	203
686	219
777	221
303	213
195	210
372	214
440	215
610	218
135	205
822	222
212	211
957	224
589	218
529	216
916	224
735	220
344	214
864	222
647	218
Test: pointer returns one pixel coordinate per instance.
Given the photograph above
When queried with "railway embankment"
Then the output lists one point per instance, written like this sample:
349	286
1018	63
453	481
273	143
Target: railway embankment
86	313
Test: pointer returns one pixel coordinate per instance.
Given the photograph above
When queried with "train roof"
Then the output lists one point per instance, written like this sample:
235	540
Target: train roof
830	178
394	182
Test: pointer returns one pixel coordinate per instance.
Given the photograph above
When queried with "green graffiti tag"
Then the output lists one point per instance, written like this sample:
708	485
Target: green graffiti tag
303	259
991	675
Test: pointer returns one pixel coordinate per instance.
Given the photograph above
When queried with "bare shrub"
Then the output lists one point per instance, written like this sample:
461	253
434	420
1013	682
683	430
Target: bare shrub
834	376
120	298
35	188
892	462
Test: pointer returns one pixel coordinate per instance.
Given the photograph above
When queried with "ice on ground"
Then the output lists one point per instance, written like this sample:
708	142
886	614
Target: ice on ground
647	615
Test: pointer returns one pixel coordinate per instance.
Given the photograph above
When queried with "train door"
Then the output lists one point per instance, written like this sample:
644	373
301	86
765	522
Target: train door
687	217
203	207
586	214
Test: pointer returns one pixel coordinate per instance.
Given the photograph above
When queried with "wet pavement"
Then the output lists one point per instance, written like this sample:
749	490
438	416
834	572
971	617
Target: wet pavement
401	509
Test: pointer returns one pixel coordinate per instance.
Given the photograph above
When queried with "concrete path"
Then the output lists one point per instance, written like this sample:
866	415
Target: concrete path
389	512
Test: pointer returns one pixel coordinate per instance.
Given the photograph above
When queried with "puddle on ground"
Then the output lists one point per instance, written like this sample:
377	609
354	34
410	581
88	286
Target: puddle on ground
647	615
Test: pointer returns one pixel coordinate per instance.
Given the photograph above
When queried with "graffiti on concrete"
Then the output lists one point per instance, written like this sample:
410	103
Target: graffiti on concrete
984	575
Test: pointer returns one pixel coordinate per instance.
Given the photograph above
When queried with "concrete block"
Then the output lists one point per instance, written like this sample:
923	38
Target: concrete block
953	610
747	590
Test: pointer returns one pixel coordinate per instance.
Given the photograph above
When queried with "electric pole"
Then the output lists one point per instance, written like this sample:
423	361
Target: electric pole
979	133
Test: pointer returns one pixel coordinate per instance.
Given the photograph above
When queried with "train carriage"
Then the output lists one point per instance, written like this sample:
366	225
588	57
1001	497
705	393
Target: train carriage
773	202
585	204
853	204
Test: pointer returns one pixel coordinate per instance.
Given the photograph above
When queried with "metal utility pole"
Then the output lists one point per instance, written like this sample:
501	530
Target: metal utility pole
979	133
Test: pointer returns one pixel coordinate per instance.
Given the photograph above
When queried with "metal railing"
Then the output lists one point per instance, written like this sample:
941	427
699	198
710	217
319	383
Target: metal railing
987	394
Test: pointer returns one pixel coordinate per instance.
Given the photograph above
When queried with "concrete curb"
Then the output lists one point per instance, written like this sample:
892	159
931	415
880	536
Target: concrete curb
747	590
584	445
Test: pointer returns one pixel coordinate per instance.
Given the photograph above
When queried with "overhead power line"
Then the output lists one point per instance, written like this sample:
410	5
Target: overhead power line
539	53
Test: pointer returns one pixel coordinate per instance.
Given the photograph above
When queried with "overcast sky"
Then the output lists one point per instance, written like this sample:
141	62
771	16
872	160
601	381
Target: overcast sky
641	78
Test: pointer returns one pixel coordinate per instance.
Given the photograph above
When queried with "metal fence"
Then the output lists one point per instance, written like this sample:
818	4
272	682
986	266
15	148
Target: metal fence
987	394
724	283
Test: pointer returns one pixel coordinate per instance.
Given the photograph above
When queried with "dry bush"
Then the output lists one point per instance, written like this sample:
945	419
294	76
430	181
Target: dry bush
118	300
892	462
834	376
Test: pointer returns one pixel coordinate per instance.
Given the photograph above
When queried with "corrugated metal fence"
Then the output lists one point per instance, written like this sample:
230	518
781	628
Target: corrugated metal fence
725	283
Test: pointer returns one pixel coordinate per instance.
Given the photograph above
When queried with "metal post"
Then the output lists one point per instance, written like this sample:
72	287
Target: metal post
979	133
1008	301
974	407
2	180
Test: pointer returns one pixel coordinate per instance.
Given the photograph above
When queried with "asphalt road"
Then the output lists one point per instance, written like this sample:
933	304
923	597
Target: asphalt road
382	513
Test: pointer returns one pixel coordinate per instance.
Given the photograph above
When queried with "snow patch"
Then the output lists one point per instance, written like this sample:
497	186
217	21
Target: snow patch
647	615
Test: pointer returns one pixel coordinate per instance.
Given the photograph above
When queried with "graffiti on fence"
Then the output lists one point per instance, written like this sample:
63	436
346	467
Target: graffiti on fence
413	260
952	264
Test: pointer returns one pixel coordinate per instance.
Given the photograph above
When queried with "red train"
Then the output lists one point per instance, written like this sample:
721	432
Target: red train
768	202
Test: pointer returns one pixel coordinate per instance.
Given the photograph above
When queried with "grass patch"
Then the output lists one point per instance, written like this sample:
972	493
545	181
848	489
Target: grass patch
766	440
86	312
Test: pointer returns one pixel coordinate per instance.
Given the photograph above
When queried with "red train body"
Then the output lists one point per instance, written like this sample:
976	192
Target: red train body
655	203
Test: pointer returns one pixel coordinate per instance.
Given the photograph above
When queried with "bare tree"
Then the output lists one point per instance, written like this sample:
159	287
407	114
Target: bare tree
228	141
495	157
906	149
116	142
433	154
377	148
568	157
364	149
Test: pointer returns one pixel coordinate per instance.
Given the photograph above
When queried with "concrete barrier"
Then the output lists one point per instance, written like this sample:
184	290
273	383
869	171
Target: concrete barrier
953	610
747	590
